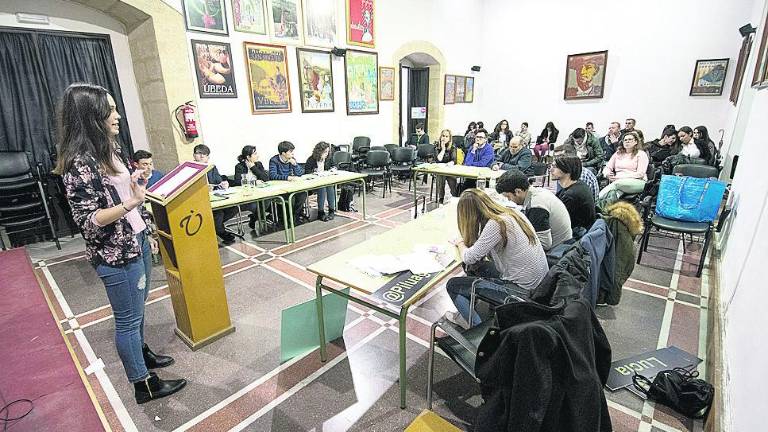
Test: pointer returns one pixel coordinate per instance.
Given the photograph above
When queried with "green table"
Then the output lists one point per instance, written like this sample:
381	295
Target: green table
435	228
457	171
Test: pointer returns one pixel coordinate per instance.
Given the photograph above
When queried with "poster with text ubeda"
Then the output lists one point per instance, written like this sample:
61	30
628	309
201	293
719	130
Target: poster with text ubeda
213	67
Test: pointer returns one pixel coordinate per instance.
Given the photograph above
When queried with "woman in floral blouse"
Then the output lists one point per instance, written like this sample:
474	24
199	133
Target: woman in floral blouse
107	205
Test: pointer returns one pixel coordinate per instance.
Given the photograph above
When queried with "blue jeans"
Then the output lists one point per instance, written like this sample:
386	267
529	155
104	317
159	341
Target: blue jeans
127	288
329	193
460	288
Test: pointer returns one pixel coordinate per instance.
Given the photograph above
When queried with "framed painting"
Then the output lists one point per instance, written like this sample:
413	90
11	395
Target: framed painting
386	83
449	93
270	89
461	83
213	67
361	73
760	75
315	80
205	16
469	90
709	77
249	16
320	23
585	75
284	21
741	67
360	23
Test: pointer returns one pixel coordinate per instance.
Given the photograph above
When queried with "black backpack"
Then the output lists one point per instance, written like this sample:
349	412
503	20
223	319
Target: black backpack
345	198
678	389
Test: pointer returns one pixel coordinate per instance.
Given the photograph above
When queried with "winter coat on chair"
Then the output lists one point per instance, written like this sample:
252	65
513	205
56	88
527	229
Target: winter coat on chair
598	241
543	369
566	278
624	223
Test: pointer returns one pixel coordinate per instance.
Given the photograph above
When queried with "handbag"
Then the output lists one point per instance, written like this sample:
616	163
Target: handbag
679	389
689	199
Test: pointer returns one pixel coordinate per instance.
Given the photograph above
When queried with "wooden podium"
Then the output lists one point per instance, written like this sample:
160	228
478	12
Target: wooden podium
182	210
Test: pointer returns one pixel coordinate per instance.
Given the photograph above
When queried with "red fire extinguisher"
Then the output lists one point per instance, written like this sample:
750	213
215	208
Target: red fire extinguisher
187	122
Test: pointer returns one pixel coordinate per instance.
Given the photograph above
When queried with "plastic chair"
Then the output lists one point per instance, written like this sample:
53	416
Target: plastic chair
377	166
402	162
342	160
540	171
391	149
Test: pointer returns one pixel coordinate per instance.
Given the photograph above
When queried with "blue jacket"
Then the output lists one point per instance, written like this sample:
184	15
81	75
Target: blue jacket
156	175
279	170
599	243
482	158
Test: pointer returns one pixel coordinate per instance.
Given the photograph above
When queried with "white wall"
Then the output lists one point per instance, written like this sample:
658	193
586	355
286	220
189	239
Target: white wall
742	277
66	16
227	124
652	49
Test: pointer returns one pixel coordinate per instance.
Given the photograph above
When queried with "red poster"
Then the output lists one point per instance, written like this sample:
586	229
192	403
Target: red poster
360	23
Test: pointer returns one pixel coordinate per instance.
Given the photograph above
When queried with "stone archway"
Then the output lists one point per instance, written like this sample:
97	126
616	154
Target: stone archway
157	39
436	82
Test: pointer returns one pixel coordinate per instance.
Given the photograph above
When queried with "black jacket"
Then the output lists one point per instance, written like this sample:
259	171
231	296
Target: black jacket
658	152
257	170
311	165
544	369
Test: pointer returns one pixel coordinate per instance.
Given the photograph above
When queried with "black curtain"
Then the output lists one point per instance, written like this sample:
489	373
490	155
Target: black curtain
26	112
35	69
418	95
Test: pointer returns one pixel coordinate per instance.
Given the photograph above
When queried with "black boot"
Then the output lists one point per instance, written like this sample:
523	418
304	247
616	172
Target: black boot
155	388
321	215
331	214
252	221
155	361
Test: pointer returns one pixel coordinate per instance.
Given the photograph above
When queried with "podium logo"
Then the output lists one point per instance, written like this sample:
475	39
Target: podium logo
192	227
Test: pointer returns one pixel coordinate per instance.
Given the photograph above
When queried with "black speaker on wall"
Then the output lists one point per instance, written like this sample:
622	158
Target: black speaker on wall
475	68
339	52
746	29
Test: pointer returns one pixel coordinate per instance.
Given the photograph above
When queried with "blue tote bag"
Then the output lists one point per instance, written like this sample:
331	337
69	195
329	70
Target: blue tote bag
689	199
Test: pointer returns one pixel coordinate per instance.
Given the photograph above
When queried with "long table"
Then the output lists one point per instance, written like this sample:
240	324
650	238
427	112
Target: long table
436	227
272	190
458	171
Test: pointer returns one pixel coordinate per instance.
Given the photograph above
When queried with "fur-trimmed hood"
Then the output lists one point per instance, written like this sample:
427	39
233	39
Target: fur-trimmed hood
627	214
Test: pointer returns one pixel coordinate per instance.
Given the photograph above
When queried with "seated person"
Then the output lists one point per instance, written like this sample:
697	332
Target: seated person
524	134
501	135
545	141
318	162
248	163
611	140
202	154
489	229
547	214
142	160
419	137
480	155
515	156
575	194
283	166
445	152
664	147
627	170
586	147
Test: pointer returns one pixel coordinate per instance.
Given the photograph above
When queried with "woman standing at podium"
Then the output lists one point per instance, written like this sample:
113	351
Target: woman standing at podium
107	202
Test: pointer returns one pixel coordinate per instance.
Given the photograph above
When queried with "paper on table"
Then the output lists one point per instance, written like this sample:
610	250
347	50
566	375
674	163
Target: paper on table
377	265
422	263
177	180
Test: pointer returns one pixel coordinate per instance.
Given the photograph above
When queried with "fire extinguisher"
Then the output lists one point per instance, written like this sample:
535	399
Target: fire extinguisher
185	115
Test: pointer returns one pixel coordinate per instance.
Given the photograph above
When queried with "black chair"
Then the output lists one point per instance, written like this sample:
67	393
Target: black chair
402	162
425	152
391	149
342	160
682	227
360	141
458	141
540	170
379	148
377	166
23	202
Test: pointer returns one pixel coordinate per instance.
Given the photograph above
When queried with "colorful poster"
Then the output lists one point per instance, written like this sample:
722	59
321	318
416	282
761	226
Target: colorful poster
450	90
360	23
469	90
320	23
206	16
284	21
709	77
248	16
386	83
267	67
585	75
315	80
361	70
213	67
461	83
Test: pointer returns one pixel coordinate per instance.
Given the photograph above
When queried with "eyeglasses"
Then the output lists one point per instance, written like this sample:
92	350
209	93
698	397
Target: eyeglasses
479	137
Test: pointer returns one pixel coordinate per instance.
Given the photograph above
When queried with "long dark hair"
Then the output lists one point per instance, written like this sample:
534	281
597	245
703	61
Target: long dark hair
247	151
319	149
704	143
471	126
82	119
549	131
497	129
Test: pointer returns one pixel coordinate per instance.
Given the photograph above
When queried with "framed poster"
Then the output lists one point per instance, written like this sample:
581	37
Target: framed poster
709	77
741	67
760	75
249	16
284	19
270	89
361	73
315	80
360	23
213	67
206	16
461	83
386	83
585	75
469	90
320	23
449	95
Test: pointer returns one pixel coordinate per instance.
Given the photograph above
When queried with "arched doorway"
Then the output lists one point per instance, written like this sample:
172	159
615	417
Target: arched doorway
423	56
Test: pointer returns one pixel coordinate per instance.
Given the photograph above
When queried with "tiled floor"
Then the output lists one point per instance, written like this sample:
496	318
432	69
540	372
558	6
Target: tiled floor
238	382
